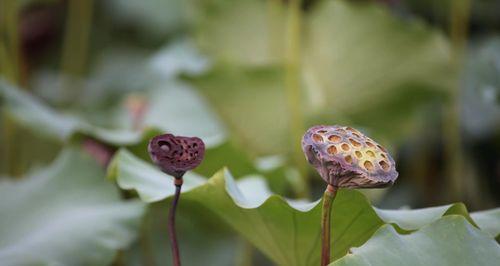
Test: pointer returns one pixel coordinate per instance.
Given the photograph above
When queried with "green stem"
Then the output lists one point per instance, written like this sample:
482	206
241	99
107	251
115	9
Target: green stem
293	90
9	35
5	66
76	39
245	257
459	20
10	69
328	198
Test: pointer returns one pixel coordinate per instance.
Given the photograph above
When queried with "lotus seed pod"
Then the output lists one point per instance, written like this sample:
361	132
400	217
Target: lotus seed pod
345	157
175	154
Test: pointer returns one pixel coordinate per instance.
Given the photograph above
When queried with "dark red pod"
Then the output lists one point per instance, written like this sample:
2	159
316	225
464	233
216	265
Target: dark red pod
176	154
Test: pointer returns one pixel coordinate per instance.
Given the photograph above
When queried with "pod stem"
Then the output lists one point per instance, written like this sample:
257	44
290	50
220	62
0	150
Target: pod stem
328	198
171	223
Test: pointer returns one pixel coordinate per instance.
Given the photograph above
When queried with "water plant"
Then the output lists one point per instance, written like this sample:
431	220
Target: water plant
94	81
345	158
175	155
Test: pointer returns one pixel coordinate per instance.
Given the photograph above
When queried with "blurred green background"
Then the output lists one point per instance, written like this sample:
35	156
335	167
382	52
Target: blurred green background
249	77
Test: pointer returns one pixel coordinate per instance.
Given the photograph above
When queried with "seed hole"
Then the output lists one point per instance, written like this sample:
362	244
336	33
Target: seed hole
368	165
348	159
355	143
321	131
381	148
317	138
384	165
383	155
370	144
358	154
332	149
165	146
334	138
370	153
356	134
352	129
341	131
345	147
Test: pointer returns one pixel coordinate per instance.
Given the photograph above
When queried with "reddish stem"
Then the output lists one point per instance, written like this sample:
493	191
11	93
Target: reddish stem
171	223
328	198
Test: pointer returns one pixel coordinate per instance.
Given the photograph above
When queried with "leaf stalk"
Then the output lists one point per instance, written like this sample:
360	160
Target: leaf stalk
171	223
328	198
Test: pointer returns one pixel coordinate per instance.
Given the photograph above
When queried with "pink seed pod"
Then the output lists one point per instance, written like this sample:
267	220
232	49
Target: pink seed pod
176	154
345	157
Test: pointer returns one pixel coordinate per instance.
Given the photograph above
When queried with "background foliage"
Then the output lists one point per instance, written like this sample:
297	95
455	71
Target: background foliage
85	84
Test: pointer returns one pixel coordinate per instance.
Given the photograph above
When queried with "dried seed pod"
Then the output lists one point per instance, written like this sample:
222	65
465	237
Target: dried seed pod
345	157
175	154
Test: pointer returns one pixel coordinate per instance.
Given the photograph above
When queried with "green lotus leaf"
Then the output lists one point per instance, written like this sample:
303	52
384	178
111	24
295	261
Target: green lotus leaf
287	231
449	241
199	231
488	221
66	214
